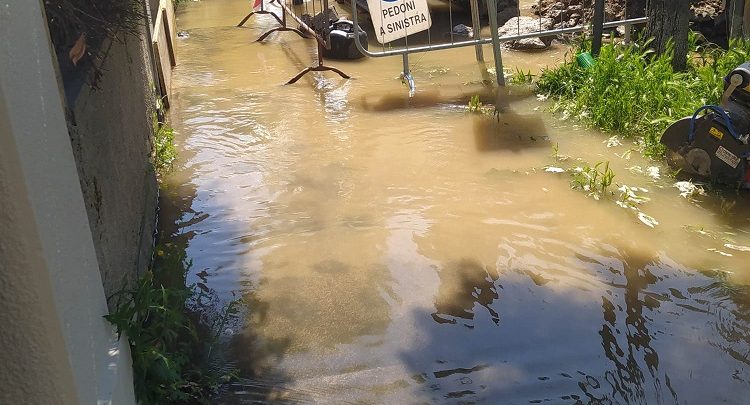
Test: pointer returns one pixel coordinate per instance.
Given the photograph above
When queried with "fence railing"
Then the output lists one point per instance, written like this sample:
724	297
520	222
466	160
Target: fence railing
596	26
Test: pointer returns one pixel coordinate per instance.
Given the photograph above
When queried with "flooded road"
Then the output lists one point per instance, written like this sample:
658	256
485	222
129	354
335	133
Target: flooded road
396	250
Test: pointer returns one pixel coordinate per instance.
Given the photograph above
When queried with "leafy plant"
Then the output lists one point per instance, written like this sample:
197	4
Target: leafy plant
165	152
556	153
170	350
475	104
595	180
635	93
520	77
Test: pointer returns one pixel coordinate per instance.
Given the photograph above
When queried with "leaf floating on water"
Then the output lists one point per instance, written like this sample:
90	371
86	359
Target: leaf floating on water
737	247
688	189
653	172
553	169
625	155
613	141
635	169
648	220
720	252
78	50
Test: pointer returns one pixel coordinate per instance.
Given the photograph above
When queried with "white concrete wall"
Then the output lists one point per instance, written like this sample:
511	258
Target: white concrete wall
56	347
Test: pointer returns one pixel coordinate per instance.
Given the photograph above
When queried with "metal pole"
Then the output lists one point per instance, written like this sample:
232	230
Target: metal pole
477	29
407	77
492	10
596	44
627	27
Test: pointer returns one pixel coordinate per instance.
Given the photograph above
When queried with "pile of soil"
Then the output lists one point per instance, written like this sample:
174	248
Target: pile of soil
570	13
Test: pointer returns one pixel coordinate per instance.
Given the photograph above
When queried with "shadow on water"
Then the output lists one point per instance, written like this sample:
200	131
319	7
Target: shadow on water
255	358
463	284
665	334
239	347
445	96
510	131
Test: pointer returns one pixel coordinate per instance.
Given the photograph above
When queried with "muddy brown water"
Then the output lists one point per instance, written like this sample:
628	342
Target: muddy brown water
396	250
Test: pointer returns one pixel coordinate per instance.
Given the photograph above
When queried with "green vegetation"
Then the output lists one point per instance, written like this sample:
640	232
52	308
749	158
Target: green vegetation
632	91
170	345
519	77
595	180
475	104
164	148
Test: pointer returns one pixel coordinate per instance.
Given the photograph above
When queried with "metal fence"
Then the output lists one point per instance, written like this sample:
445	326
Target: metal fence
595	24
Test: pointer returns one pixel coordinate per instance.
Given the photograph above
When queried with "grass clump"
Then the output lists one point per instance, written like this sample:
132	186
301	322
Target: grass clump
594	180
636	93
170	345
597	182
165	152
475	104
521	77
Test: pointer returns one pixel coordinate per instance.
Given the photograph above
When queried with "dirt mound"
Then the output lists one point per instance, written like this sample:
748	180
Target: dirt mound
570	13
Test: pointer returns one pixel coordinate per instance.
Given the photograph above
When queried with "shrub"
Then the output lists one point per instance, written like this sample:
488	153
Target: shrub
635	93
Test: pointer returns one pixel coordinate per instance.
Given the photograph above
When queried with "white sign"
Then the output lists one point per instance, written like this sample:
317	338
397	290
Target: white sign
394	19
728	157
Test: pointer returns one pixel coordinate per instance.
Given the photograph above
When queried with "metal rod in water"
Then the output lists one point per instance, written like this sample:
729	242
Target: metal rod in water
492	10
477	29
407	77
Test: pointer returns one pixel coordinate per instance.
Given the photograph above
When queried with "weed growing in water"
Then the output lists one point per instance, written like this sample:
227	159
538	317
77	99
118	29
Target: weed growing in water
475	104
165	152
170	348
594	180
519	77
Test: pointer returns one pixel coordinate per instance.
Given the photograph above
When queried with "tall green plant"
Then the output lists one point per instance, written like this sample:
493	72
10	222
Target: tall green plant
171	361
636	93
165	152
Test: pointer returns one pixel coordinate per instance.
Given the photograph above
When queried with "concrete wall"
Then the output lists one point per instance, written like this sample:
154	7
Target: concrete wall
56	346
111	136
32	334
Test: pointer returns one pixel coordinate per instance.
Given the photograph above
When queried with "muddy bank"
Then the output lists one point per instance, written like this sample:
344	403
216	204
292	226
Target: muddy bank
569	13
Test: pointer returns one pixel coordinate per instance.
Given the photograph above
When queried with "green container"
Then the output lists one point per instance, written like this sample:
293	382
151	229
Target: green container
585	60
